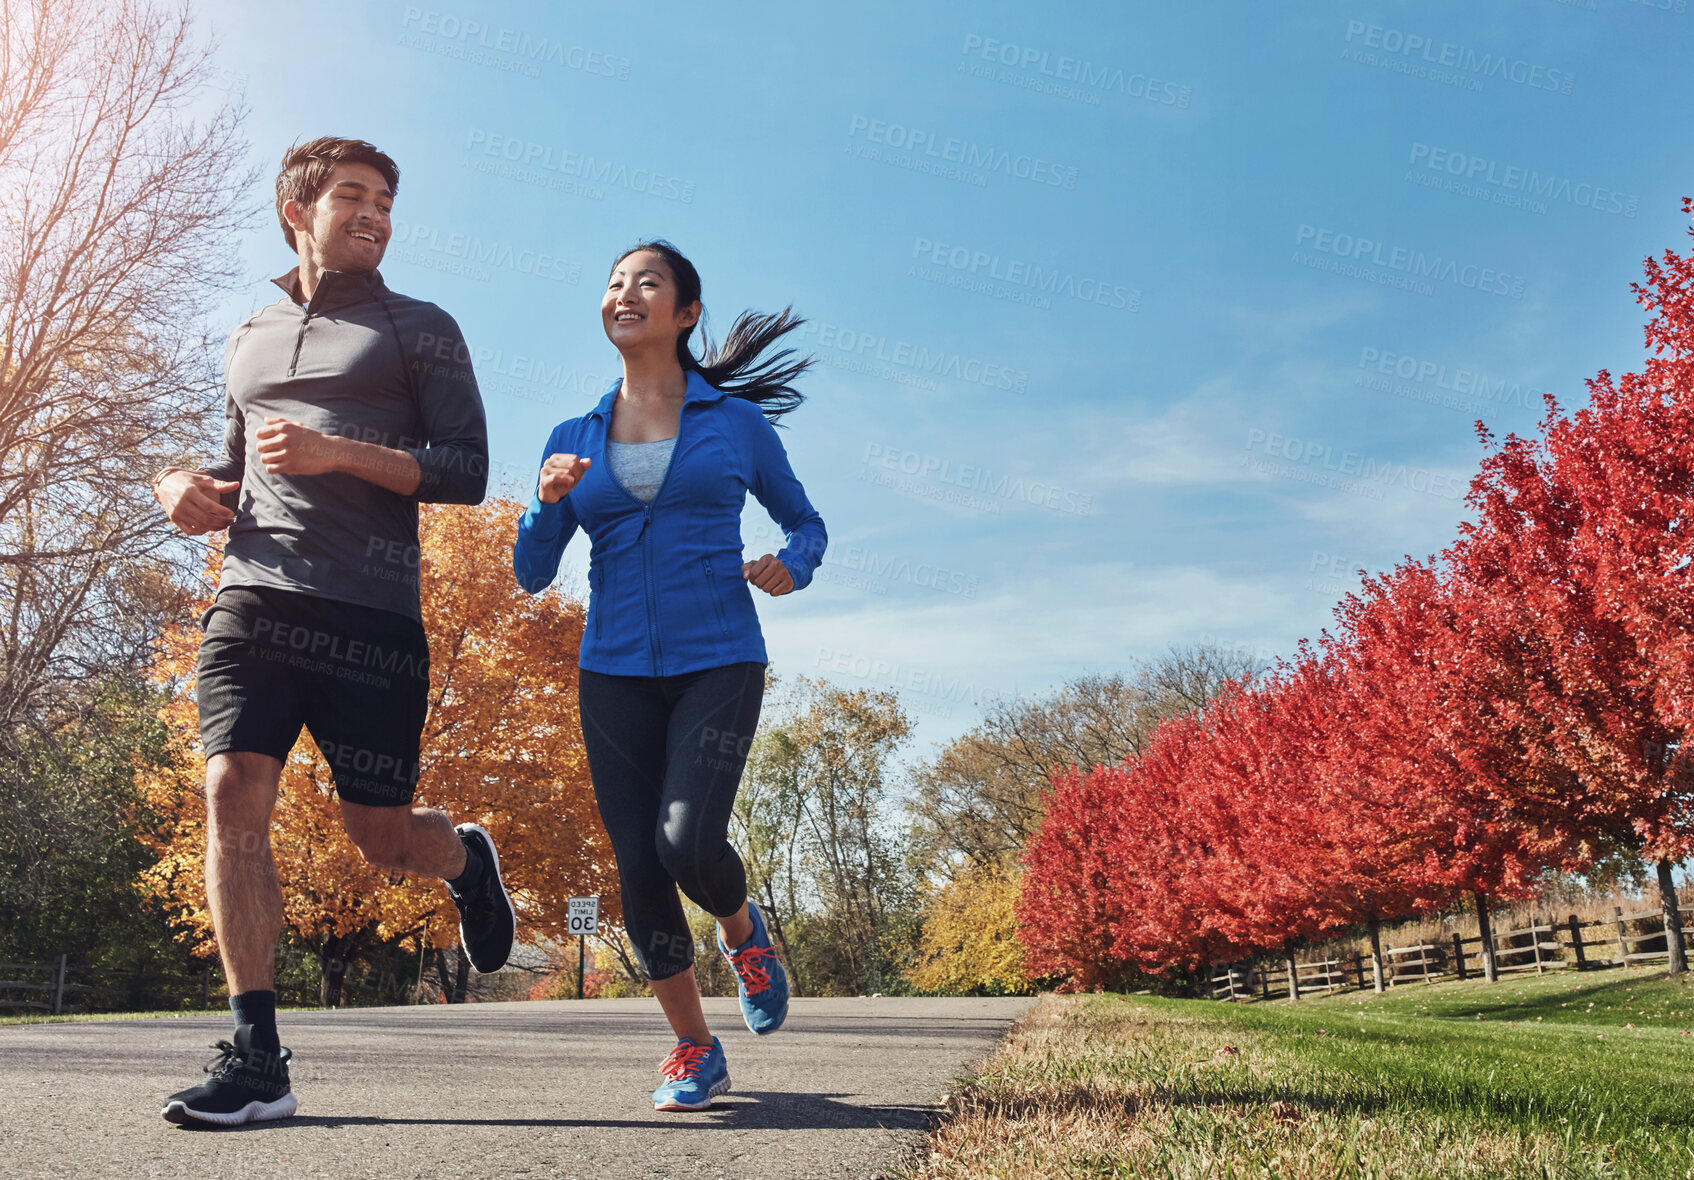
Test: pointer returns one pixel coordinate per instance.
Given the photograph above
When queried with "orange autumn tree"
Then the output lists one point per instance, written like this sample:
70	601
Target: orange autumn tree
502	747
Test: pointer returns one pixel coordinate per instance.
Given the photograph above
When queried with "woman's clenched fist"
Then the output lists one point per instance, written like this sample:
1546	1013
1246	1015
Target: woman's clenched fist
559	474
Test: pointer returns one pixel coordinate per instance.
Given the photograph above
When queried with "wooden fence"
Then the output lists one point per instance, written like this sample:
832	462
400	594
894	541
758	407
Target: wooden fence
45	978
57	987
1248	981
1541	946
1323	976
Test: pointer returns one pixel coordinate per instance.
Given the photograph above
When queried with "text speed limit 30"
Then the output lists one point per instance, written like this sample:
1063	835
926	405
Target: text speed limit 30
583	915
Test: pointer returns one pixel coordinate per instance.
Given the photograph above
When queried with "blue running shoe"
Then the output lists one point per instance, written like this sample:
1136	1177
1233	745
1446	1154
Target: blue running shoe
694	1075
759	977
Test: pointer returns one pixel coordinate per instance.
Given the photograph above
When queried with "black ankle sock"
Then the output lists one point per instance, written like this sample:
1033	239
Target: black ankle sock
472	875
259	1010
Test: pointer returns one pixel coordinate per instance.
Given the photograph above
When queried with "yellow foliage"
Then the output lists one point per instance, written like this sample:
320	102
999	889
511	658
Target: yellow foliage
502	747
969	943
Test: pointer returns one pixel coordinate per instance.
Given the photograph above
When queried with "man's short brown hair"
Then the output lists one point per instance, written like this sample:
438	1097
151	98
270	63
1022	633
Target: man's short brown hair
306	166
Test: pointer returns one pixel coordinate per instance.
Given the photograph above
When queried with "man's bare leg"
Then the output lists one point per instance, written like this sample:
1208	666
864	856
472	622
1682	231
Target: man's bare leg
251	1080
241	883
423	841
411	838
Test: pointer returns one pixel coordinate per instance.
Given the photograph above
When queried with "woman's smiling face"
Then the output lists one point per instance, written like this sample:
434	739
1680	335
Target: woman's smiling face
639	308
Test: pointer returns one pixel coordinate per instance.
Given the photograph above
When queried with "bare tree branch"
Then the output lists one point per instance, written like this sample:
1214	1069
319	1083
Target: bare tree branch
119	212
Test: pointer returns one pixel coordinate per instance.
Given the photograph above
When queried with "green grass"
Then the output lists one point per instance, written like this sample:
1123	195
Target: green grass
1603	1053
1644	996
1539	1076
87	1017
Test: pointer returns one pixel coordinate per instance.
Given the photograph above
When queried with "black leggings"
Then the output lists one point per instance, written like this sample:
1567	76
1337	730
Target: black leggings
666	754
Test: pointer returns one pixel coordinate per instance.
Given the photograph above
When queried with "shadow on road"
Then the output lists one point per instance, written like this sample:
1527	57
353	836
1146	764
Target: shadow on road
743	1110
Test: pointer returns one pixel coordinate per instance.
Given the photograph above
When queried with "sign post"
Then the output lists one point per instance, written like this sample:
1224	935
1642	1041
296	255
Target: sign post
583	919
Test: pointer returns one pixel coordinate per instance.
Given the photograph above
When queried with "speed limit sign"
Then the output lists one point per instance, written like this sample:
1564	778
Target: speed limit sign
583	916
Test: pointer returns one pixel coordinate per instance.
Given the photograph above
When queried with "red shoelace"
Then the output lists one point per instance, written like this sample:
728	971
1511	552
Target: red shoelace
746	963
684	1061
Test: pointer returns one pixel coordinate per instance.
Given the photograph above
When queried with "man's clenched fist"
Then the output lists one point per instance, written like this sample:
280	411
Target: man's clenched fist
190	500
292	449
559	474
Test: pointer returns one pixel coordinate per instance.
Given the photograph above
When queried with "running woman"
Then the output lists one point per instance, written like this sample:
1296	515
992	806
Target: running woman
348	405
673	661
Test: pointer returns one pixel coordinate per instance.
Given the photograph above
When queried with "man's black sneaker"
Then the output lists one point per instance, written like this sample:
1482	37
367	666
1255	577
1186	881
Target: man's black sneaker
248	1085
487	921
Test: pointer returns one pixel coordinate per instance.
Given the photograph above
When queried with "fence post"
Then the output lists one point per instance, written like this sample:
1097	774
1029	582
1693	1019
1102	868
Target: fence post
59	989
1264	983
1376	961
1359	968
1459	956
1485	932
1623	947
1670	906
1576	942
1535	941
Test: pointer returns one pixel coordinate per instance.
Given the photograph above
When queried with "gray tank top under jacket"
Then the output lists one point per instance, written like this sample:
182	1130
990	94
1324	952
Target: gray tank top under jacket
640	467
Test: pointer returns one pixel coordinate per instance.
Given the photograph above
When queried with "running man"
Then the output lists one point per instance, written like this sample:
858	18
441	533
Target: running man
673	660
348	405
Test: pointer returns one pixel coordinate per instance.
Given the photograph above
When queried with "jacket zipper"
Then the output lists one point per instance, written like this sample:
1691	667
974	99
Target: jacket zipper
600	597
305	319
717	601
294	361
656	649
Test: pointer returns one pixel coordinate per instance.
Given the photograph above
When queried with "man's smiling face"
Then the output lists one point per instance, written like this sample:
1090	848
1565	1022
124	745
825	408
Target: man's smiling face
347	227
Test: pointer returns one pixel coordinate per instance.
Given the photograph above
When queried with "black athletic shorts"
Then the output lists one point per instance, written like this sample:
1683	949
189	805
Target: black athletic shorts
357	677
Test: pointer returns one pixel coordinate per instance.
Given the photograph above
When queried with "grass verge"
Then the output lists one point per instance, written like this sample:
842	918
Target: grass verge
96	1017
1562	1075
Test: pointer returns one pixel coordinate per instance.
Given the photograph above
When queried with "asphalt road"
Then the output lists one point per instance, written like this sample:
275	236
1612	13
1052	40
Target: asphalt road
527	1089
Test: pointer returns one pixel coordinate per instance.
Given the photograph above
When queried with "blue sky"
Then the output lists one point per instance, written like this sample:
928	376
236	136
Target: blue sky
1135	327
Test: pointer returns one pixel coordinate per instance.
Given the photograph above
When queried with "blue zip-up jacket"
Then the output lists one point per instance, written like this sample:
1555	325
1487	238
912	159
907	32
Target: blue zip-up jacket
666	594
